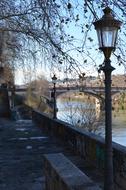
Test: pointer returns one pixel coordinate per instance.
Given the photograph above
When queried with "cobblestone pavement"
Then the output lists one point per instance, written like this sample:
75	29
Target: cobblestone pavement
22	145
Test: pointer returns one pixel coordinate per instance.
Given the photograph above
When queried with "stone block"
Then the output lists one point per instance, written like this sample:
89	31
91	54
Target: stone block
4	103
62	174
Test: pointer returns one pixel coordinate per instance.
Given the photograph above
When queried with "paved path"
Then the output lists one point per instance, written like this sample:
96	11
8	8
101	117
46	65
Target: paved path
22	146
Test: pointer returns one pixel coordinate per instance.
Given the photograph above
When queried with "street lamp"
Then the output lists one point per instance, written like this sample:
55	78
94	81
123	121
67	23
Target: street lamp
54	79
107	29
82	79
12	95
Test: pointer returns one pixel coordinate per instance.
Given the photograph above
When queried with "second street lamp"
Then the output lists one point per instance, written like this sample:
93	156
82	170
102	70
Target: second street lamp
82	79
54	79
107	29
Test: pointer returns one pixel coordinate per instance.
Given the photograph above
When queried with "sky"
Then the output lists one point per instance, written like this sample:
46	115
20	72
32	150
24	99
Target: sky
88	68
20	79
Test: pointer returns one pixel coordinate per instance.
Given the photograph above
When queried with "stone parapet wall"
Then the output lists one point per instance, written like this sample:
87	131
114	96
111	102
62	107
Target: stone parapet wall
88	145
62	174
4	103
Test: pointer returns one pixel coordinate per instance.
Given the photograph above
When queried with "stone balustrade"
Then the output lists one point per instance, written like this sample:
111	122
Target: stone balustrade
88	145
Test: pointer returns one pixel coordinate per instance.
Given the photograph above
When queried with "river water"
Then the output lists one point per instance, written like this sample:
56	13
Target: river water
70	112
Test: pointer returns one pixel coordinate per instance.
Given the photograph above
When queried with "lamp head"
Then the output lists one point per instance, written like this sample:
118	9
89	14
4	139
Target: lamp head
107	29
54	79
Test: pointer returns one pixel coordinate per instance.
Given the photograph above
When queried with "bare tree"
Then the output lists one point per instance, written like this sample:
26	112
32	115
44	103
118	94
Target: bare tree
57	32
41	86
89	120
82	115
38	93
69	113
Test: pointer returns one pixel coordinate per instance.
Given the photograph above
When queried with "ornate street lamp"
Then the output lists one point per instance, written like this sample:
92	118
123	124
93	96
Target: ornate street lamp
54	79
107	29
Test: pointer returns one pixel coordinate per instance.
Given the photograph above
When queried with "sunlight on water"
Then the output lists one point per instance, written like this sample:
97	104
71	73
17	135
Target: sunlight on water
118	121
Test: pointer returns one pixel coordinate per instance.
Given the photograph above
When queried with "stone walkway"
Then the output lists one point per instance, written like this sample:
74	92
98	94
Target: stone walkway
22	146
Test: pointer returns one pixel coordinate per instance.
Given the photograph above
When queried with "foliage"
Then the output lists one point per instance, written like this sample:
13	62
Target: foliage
122	100
36	90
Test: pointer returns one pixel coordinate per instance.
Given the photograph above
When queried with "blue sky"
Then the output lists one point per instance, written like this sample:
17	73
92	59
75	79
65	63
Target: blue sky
95	58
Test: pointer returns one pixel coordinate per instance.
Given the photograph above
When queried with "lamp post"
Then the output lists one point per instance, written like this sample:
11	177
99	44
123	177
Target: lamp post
12	94
107	29
54	79
81	80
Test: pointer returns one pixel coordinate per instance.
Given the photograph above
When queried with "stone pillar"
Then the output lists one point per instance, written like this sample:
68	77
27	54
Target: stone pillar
4	102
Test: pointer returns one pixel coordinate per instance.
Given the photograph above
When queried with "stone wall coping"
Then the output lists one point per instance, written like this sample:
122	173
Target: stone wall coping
86	144
73	177
93	136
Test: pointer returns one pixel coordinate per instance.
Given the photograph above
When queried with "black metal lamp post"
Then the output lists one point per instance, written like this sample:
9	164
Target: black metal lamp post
12	95
54	79
107	29
81	80
11	88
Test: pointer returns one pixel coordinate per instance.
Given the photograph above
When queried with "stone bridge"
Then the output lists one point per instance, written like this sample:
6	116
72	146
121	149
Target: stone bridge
97	92
94	91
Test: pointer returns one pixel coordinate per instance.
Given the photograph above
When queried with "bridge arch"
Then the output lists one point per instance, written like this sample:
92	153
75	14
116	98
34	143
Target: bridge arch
98	97
97	92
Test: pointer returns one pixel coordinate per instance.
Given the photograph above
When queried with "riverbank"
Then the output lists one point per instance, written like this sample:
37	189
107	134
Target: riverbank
68	112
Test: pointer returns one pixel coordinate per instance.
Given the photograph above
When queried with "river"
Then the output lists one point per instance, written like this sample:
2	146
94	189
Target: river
70	112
